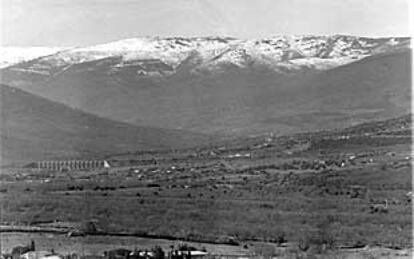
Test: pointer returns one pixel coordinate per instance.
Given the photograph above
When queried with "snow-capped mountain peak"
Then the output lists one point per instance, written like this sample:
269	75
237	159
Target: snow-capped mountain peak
276	53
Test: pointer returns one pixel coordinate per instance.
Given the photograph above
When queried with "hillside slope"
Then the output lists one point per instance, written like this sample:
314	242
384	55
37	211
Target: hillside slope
222	85
240	101
34	128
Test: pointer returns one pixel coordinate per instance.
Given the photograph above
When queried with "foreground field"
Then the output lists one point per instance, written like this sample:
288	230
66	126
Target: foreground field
313	193
94	245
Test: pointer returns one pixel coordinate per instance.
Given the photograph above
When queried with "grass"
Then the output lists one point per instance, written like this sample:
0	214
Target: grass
242	201
246	212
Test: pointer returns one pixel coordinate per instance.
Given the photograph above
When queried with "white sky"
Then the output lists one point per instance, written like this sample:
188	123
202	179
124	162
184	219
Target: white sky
85	22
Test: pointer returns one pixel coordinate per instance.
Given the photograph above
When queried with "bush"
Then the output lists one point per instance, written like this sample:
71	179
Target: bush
319	241
304	243
90	227
158	253
281	238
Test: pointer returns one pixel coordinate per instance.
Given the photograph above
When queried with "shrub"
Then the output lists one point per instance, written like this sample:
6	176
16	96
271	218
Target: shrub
304	243
158	253
281	238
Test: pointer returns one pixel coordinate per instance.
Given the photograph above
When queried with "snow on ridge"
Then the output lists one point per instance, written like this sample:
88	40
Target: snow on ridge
13	55
321	51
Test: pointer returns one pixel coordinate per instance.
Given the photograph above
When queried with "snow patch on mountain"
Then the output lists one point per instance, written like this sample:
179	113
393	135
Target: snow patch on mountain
212	53
13	55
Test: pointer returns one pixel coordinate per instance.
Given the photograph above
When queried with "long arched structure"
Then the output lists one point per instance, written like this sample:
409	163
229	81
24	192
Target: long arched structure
57	165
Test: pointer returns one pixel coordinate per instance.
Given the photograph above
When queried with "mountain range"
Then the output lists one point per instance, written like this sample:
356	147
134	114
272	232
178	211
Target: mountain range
152	56
225	86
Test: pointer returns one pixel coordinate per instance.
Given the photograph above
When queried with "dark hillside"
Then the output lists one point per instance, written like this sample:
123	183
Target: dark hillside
35	128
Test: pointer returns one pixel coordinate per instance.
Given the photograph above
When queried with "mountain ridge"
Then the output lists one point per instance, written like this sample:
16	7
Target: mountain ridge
10	55
233	98
292	52
34	128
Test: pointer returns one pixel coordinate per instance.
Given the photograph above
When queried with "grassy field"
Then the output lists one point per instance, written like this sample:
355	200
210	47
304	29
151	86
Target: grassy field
297	190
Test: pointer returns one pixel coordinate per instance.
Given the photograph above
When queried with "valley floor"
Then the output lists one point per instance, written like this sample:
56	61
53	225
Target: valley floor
312	193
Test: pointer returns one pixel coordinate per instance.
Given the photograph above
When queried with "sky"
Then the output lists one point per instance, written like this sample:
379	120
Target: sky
87	22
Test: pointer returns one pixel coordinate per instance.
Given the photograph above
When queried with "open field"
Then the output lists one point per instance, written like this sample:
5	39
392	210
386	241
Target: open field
94	245
314	193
